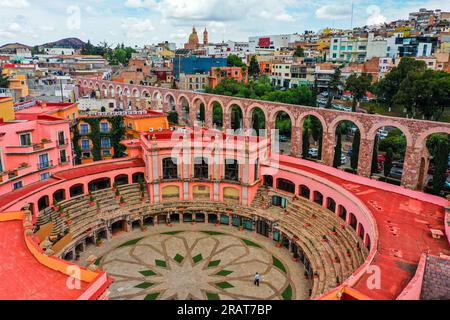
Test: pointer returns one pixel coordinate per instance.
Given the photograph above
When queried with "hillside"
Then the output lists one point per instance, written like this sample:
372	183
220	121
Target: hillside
74	43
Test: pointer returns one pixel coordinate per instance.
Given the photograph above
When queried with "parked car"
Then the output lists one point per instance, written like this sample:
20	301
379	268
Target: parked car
313	153
382	134
284	138
396	173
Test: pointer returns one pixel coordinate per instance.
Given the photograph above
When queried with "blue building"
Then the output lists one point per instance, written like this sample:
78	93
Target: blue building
194	64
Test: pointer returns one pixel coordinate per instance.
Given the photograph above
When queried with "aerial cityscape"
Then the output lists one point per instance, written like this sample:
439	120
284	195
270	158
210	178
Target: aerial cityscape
224	150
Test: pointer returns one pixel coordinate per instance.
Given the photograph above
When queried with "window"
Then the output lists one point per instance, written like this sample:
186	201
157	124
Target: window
45	176
85	145
231	170
335	47
106	143
25	139
170	169
201	168
63	156
286	185
106	153
84	128
61	138
104	127
44	161
17	185
257	170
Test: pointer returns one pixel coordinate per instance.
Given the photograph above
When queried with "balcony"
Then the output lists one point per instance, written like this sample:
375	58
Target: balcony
63	161
63	142
35	147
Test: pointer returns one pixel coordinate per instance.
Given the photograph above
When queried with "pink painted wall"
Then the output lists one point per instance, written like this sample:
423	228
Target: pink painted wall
414	288
12	154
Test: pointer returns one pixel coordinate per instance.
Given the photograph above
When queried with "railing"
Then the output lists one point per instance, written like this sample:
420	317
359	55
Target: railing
63	142
45	165
65	160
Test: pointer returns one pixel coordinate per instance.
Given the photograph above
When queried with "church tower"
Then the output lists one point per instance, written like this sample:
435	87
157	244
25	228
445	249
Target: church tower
205	37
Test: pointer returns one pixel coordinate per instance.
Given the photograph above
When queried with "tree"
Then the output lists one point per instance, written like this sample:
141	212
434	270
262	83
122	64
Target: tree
355	150
386	89
299	52
375	156
388	162
4	83
358	85
172	117
425	92
253	69
234	61
333	86
337	162
305	139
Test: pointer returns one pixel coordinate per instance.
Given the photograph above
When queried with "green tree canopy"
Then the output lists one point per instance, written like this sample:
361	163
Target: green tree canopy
358	85
253	69
299	52
425	92
234	61
387	88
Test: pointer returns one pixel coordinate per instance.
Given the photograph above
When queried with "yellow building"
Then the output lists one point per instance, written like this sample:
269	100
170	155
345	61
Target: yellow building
137	124
17	84
6	109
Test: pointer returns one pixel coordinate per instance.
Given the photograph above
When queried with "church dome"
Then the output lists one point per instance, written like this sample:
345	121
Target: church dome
193	38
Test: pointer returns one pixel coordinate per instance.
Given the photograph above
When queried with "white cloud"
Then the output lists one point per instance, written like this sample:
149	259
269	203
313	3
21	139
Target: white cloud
150	4
375	16
137	28
14	3
334	12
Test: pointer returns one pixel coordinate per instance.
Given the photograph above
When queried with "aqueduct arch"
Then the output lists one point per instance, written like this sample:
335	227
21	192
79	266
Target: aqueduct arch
416	131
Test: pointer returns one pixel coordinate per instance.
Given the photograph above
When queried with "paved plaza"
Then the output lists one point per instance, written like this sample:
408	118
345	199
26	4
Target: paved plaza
199	262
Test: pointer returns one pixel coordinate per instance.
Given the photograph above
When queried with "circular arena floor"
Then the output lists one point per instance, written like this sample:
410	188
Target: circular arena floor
199	262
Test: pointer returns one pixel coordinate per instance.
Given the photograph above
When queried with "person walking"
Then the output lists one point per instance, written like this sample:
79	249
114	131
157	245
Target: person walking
257	279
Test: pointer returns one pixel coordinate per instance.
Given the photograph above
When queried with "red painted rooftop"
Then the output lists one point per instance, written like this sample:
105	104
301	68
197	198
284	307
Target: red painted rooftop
94	169
22	277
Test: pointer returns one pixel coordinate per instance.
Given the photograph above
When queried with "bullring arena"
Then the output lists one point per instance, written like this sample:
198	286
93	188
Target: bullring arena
195	216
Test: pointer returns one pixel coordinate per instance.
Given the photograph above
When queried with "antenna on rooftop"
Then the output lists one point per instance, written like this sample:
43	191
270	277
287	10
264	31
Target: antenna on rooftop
351	23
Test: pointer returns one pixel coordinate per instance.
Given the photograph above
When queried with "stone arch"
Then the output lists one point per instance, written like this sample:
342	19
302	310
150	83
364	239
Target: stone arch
348	139
391	123
196	111
216	118
338	120
421	140
238	109
250	116
301	119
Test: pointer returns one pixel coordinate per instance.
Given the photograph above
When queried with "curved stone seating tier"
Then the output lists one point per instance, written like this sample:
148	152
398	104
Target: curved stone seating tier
295	223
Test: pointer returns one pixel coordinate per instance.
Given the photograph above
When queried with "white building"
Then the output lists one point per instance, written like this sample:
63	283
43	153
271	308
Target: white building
59	51
349	49
263	44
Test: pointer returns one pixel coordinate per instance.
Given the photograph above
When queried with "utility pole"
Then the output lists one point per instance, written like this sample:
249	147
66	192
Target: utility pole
351	24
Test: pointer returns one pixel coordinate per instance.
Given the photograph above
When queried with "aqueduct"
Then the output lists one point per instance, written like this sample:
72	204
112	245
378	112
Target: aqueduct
187	105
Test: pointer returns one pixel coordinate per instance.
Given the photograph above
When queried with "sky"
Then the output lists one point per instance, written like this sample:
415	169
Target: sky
139	22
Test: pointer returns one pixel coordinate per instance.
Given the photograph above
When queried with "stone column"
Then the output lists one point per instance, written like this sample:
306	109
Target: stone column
411	168
296	142
365	157
328	149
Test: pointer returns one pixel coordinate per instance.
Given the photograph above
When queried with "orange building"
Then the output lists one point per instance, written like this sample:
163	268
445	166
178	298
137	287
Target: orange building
6	109
137	124
265	67
218	74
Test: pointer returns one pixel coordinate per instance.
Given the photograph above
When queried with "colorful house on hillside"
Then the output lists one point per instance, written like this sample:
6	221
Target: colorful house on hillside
218	74
33	144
